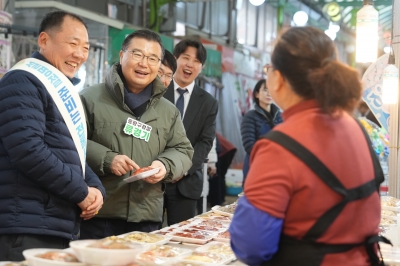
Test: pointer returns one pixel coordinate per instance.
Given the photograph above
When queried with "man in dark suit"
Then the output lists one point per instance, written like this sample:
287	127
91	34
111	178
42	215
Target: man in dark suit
198	110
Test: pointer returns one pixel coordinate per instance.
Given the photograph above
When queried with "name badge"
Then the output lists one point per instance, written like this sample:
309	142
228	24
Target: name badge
137	129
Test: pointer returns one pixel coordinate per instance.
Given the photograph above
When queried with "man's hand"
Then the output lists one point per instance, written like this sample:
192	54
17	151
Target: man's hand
94	208
90	198
211	171
122	164
159	176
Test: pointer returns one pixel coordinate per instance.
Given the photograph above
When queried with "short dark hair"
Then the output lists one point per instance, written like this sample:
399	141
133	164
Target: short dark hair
314	71
181	47
54	20
256	89
143	34
169	61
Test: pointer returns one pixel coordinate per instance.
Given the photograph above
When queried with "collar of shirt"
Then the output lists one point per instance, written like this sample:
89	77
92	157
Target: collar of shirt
190	88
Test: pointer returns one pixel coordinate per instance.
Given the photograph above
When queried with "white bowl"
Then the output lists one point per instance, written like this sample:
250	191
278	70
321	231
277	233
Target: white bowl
104	257
30	256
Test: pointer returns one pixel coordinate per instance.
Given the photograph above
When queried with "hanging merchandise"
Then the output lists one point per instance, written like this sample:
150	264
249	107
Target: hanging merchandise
390	88
367	33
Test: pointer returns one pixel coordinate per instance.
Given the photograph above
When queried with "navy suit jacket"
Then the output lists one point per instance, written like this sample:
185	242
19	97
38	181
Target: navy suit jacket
199	123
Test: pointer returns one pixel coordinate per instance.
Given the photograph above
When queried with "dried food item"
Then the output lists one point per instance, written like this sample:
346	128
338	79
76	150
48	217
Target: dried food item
143	169
183	223
58	256
158	253
390	201
204	228
214	216
196	231
190	235
386	222
388	213
205	257
220	248
159	232
111	242
225	234
215	224
228	208
143	237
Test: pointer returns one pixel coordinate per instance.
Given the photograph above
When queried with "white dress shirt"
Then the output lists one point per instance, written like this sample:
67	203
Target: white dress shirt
186	96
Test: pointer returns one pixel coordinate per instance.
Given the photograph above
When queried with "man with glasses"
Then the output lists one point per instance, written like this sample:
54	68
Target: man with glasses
167	68
130	125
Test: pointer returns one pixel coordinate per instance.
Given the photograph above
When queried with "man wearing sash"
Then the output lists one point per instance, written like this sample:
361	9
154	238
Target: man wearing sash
131	125
45	188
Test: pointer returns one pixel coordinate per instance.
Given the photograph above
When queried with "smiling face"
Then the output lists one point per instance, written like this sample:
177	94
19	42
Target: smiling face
188	67
139	74
66	48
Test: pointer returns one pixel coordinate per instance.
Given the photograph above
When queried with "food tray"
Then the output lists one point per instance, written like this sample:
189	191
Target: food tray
218	248
189	239
22	263
148	238
213	216
208	257
222	239
390	208
162	254
189	263
211	229
31	256
215	209
214	223
134	177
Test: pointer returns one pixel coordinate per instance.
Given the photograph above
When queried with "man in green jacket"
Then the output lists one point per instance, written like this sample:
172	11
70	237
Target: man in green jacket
130	125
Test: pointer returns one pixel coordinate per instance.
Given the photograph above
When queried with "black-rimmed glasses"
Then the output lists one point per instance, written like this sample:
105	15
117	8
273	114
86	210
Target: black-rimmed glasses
167	76
138	56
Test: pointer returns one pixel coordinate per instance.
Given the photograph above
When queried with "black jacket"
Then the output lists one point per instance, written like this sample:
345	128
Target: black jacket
41	178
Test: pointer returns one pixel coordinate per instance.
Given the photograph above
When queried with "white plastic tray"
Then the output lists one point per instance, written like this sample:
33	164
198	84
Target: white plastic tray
220	259
165	238
190	239
225	249
222	239
211	215
154	257
134	177
215	209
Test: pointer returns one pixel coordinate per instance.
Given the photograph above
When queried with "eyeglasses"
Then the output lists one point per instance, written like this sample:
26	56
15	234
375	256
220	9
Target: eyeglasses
265	90
167	76
267	67
138	56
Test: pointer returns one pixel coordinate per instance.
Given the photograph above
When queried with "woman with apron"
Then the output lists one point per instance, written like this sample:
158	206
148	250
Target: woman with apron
317	202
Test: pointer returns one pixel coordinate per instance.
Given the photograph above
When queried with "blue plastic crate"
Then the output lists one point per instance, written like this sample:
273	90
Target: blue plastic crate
233	191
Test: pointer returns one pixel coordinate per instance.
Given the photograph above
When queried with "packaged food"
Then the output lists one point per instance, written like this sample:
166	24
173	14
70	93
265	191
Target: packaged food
146	238
58	256
161	254
218	248
206	257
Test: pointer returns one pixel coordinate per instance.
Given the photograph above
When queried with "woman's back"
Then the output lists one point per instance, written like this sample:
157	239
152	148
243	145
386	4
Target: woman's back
290	190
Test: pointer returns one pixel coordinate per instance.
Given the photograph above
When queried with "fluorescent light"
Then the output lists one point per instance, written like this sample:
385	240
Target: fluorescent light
256	2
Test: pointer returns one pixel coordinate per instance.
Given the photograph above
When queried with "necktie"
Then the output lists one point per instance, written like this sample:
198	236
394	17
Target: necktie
180	103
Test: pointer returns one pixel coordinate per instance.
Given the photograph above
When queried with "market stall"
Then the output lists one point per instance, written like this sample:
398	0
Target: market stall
202	240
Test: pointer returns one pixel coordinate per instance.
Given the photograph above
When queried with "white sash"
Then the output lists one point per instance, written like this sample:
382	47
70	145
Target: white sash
65	97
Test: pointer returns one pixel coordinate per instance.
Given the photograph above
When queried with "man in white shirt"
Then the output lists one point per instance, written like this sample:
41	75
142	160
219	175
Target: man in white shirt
198	110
